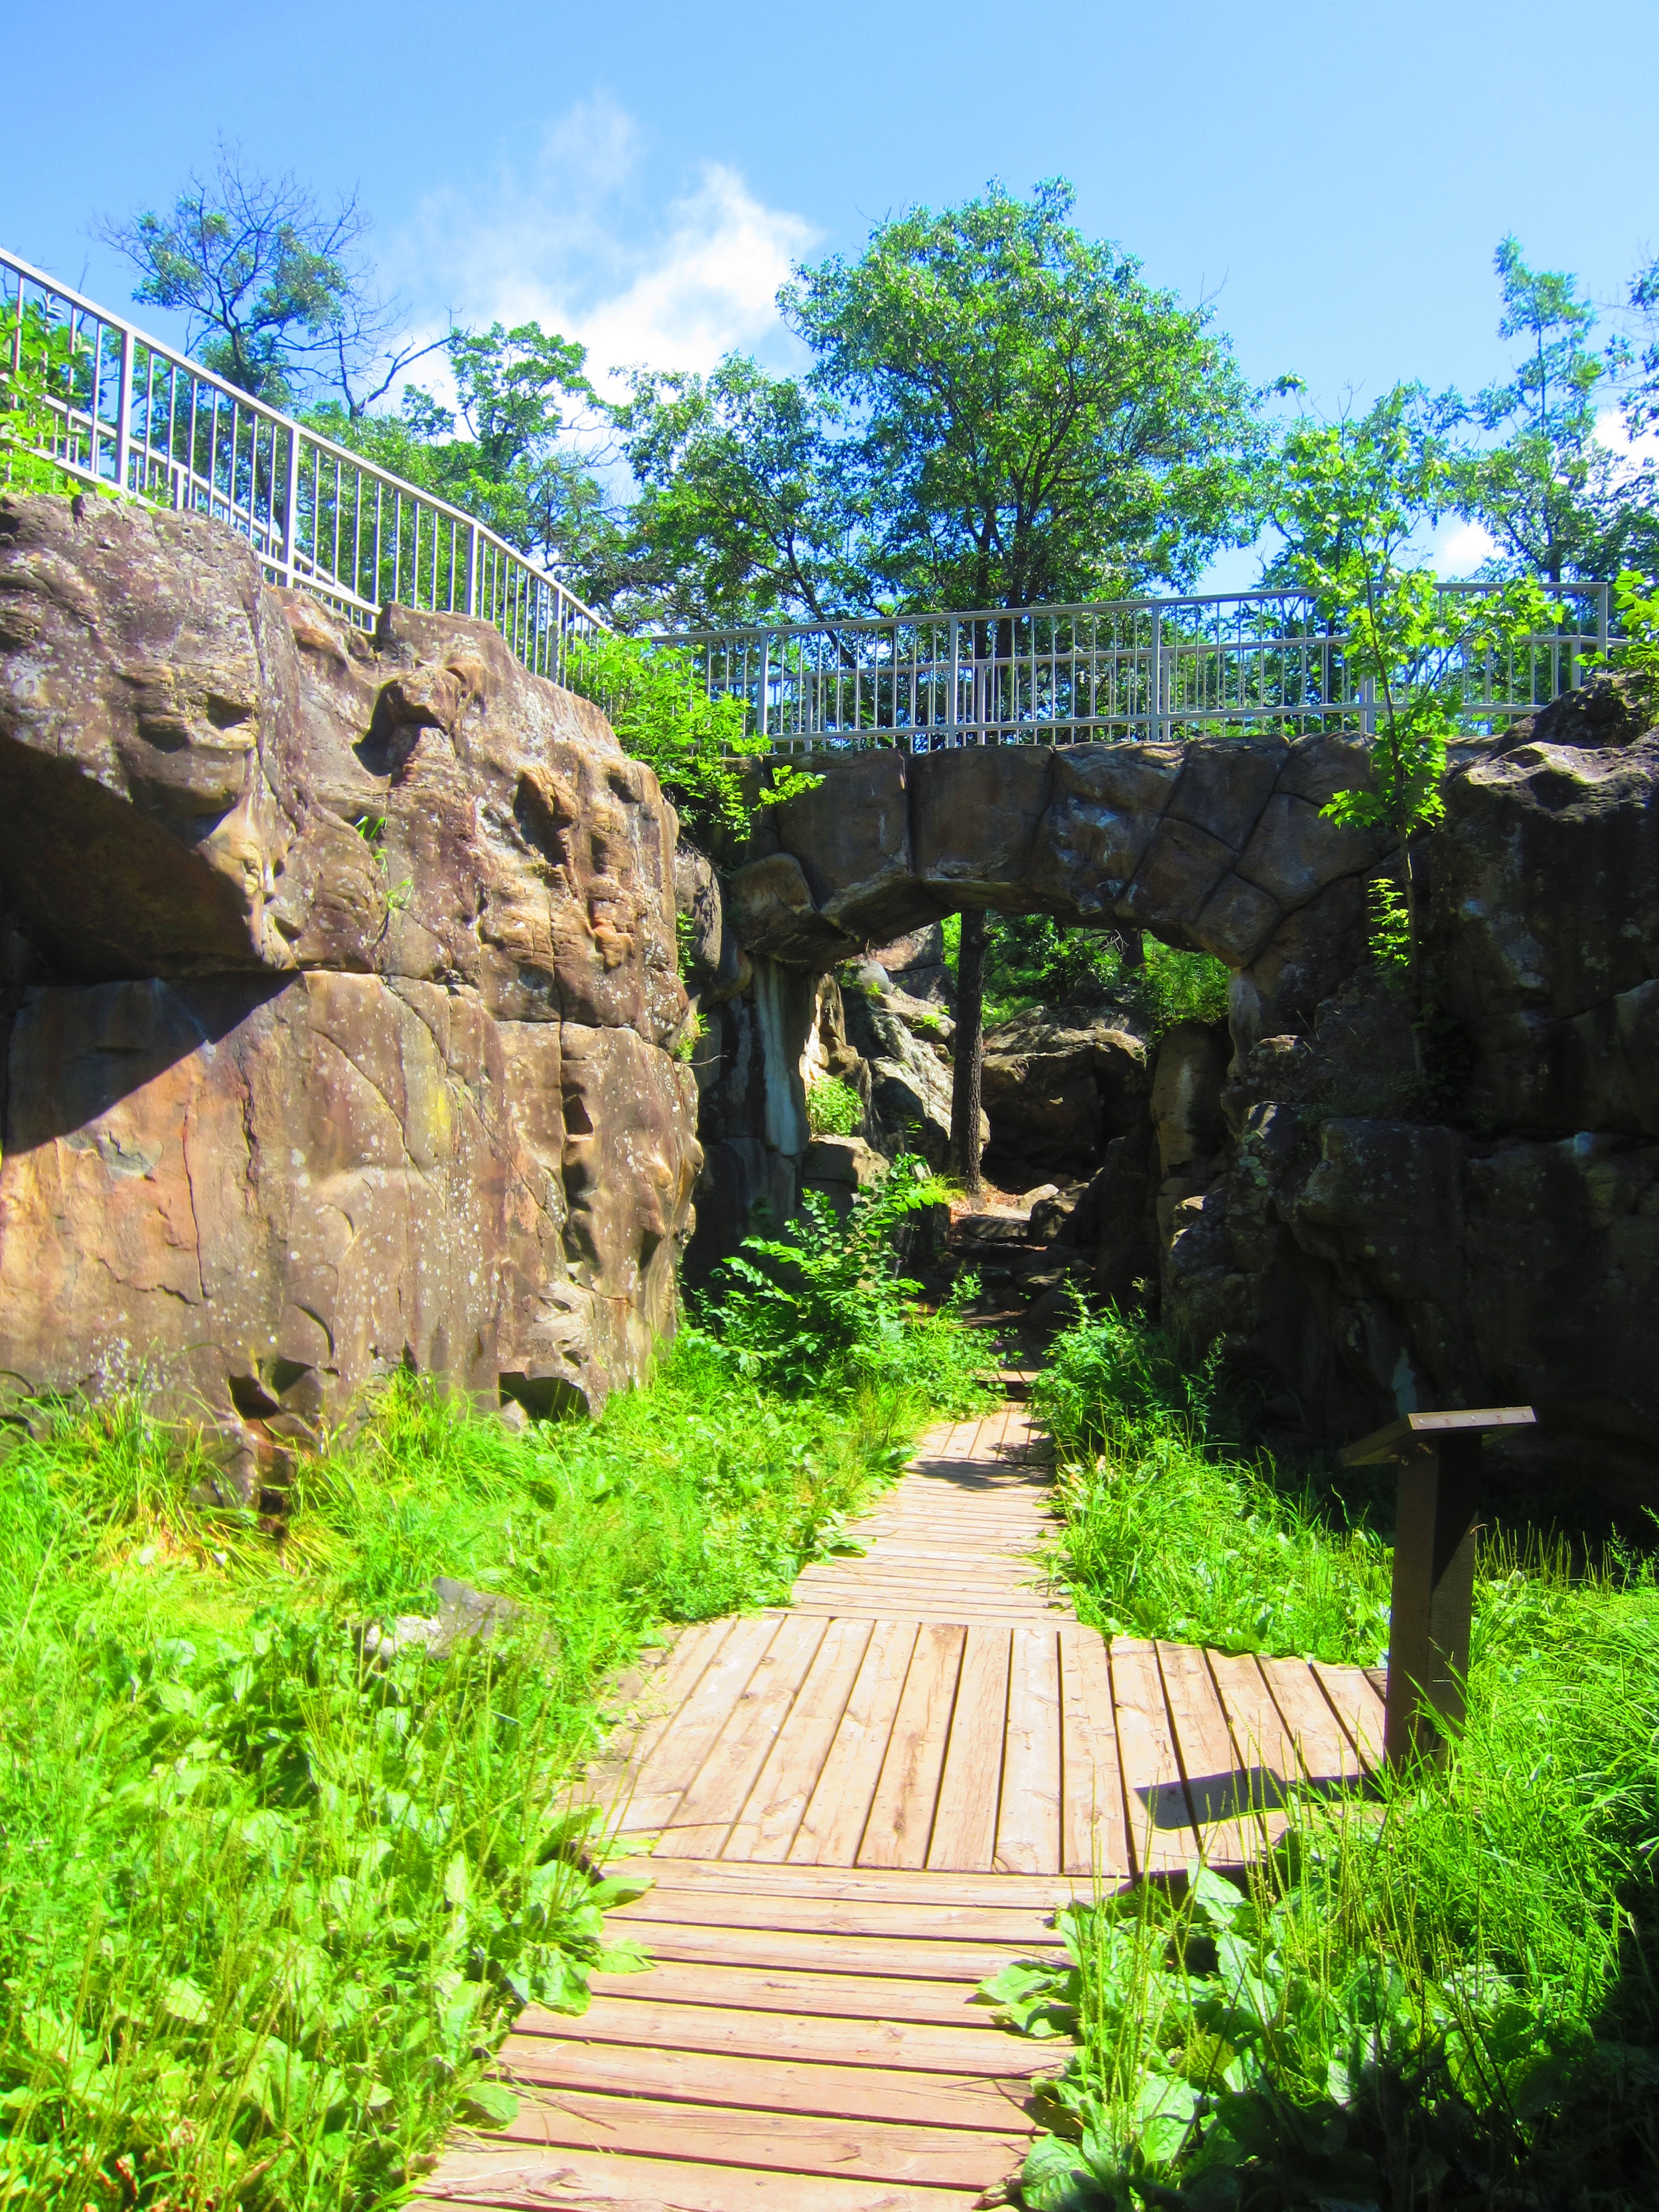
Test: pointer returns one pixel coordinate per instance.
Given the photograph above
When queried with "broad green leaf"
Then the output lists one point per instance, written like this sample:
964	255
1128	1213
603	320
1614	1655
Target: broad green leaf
490	2105
184	2000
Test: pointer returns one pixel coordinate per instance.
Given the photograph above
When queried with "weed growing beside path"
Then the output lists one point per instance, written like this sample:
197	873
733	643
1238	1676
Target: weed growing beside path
1444	1995
1445	2000
1170	1532
272	1885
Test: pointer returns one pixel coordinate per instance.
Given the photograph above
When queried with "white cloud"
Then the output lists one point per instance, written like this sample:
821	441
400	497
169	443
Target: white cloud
1461	550
574	238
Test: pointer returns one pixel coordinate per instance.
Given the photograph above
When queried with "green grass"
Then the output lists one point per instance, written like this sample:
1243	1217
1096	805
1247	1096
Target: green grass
268	1900
1439	1995
1171	1532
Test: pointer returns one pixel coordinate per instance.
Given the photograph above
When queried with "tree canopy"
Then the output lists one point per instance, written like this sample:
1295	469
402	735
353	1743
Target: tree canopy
996	410
1559	502
999	412
277	288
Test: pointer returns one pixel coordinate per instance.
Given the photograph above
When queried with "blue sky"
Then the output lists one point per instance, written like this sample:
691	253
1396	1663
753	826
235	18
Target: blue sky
642	174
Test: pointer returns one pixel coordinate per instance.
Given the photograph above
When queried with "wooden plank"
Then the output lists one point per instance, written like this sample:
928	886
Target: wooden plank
965	1823
661	1779
944	1585
839	1916
1204	1745
656	1694
832	2039
967	1958
767	2084
870	2150
834	1816
1264	1751
901	1819
766	1825
1027	1822
1323	1746
1094	1837
800	1991
887	1885
599	2181
917	1547
1354	1700
704	1817
1160	1837
919	1616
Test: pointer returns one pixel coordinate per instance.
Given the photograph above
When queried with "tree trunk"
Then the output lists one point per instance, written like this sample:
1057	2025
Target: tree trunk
969	1040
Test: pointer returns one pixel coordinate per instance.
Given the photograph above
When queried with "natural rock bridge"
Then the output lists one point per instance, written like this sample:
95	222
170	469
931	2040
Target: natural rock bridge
1217	845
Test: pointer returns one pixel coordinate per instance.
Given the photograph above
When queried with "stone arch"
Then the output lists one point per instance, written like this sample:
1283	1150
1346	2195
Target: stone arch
1217	845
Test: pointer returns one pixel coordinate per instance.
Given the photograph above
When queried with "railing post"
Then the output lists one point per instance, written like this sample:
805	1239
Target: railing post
124	412
1433	1595
760	687
1155	680
952	717
472	570
291	512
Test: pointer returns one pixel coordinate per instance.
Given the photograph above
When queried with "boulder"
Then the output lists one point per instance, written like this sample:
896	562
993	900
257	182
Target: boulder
910	1074
1544	926
914	963
1058	1083
336	1042
839	1168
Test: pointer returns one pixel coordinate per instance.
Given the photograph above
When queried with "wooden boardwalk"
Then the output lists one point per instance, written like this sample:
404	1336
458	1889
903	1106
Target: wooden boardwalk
853	1809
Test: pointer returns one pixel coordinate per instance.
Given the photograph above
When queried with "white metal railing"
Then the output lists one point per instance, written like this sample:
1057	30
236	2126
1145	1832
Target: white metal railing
1126	668
123	411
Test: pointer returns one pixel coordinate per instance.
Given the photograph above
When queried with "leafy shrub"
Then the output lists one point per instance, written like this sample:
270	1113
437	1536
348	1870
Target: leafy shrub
1031	960
40	362
695	745
834	1107
1172	986
1638	651
825	1298
1451	2003
1171	1534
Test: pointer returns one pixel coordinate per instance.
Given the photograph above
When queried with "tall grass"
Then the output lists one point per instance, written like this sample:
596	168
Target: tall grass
273	1888
1172	1531
1442	1995
1445	1999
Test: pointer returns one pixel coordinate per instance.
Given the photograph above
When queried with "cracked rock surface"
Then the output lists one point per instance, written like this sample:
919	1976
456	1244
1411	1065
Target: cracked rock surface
340	991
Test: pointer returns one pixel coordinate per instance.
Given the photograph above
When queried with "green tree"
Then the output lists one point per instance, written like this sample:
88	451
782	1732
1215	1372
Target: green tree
1351	496
1035	422
278	295
999	412
745	507
1559	502
1641	392
498	453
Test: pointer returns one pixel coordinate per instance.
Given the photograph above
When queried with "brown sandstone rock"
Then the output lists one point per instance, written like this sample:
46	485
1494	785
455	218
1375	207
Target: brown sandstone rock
387	1085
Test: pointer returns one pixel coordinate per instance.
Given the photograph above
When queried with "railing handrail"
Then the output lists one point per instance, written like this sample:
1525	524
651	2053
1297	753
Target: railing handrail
828	625
432	504
1067	672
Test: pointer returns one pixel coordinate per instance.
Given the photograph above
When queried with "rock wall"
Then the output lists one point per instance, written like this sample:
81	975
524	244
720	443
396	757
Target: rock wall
1364	1234
341	993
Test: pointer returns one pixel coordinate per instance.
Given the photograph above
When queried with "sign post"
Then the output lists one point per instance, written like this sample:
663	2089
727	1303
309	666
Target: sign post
1439	1458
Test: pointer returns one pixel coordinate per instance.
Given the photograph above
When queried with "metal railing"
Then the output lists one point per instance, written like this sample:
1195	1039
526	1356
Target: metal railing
1146	668
120	409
